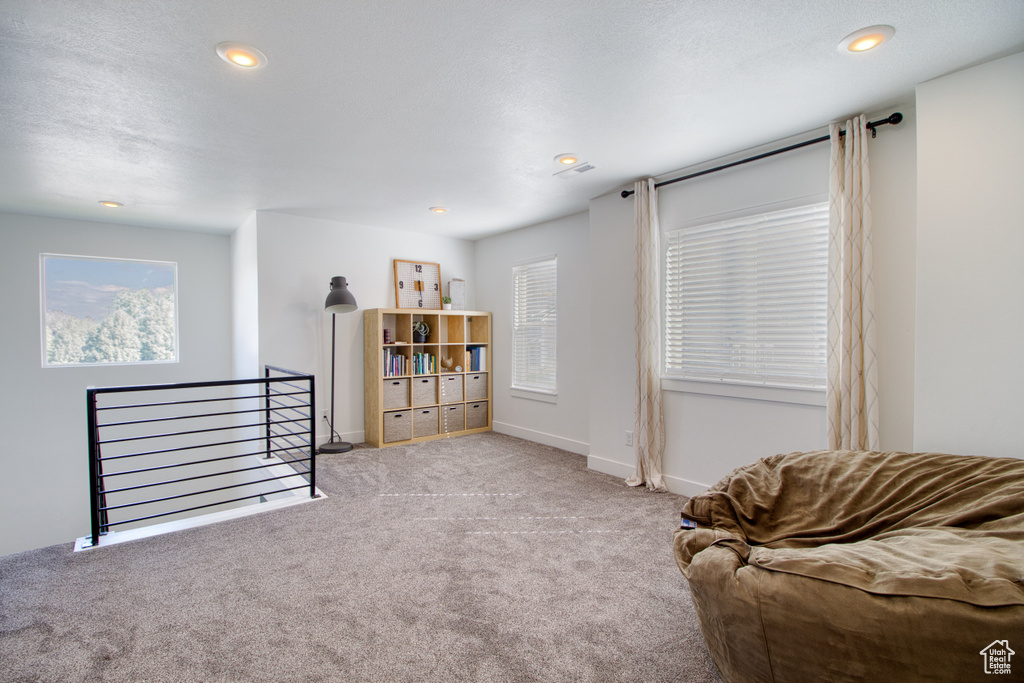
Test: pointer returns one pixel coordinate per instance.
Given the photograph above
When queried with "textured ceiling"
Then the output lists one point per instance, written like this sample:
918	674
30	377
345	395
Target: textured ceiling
371	112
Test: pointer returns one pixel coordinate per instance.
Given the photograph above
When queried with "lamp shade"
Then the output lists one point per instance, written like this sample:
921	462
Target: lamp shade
339	300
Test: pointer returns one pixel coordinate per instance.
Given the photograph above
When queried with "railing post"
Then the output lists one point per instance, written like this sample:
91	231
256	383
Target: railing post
312	437
95	480
266	397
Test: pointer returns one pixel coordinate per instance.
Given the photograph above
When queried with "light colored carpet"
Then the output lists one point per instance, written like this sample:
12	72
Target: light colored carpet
477	558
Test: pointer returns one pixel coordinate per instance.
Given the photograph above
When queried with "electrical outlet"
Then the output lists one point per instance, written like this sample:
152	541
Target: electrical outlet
629	438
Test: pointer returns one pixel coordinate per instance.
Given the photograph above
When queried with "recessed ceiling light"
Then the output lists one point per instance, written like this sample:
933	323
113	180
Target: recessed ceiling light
866	38
439	209
567	159
111	204
241	55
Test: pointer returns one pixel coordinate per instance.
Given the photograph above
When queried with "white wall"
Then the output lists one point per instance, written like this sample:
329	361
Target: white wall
564	423
709	435
893	166
245	305
44	482
612	339
297	258
970	269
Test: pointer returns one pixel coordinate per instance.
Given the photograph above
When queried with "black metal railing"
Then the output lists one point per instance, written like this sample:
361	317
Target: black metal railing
171	449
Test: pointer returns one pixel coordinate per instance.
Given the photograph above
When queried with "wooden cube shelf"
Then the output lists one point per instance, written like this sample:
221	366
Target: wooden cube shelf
418	389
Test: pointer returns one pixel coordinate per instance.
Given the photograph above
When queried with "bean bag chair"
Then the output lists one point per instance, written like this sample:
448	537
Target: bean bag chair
860	566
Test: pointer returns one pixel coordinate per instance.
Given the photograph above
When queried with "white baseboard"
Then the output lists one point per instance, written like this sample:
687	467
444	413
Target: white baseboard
683	487
565	444
612	467
115	537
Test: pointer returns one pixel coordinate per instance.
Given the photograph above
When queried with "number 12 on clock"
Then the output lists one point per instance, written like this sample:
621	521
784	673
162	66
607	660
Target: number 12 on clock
417	284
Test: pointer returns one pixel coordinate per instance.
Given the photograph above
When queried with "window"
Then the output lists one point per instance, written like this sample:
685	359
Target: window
746	300
99	311
534	323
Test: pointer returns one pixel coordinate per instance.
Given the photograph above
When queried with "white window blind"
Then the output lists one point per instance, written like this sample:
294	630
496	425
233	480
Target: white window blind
534	322
746	300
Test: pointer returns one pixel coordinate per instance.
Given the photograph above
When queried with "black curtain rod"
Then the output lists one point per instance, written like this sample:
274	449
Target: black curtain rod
892	119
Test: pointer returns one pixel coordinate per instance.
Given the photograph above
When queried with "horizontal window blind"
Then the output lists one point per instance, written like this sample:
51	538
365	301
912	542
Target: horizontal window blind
746	299
534	323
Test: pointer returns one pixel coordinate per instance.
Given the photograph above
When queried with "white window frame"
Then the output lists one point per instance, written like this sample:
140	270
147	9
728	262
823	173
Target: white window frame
676	378
90	290
537	337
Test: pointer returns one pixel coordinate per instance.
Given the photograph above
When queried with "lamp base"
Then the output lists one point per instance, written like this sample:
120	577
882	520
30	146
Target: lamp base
335	447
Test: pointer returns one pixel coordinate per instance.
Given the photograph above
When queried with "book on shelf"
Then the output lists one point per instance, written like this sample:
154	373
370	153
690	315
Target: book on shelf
424	364
476	359
394	364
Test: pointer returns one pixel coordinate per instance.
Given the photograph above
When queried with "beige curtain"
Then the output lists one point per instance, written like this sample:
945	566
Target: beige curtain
649	434
852	388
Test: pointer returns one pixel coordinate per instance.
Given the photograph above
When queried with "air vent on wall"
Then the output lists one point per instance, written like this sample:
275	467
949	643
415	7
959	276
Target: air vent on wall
574	171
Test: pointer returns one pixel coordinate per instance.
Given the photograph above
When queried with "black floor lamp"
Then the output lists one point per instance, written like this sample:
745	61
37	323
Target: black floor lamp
339	300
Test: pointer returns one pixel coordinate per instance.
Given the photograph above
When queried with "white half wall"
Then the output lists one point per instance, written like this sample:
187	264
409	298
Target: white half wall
970	261
297	257
44	486
562	424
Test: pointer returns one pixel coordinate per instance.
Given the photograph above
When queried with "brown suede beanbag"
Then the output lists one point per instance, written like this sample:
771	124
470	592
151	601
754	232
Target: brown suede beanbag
858	566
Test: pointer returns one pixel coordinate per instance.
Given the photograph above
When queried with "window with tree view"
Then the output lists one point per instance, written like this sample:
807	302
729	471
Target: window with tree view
107	311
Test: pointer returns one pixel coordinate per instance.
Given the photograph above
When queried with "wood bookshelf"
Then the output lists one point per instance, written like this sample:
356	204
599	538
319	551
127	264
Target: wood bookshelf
419	389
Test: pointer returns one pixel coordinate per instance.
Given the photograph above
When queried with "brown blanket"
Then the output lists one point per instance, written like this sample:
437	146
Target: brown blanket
854	566
921	524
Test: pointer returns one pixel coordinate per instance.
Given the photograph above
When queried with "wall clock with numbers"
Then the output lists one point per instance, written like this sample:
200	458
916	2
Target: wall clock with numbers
417	284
